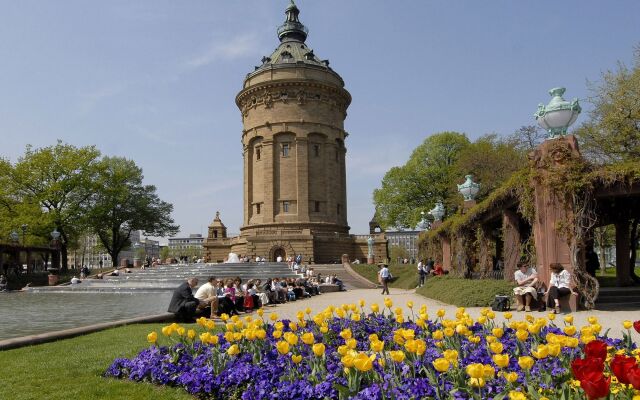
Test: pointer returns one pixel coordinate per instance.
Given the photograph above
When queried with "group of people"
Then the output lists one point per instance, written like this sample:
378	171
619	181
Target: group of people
532	290
232	296
428	268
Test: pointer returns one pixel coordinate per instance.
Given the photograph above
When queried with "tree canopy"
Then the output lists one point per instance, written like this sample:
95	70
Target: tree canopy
612	132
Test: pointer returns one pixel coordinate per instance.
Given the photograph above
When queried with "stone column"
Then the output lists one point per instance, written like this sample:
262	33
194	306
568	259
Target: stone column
623	262
269	152
446	253
512	243
302	177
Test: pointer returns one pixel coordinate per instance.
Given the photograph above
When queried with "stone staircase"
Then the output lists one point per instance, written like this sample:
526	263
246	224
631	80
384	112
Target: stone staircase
347	277
168	277
618	298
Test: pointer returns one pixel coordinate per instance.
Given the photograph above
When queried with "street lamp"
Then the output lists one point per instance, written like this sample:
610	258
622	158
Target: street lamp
437	212
24	233
558	115
469	189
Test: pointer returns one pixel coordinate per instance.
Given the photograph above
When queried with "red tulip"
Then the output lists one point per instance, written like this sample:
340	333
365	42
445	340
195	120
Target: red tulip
595	385
620	365
581	367
633	376
636	326
596	349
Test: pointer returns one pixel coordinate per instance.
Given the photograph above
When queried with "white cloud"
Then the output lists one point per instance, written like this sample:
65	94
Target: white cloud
237	47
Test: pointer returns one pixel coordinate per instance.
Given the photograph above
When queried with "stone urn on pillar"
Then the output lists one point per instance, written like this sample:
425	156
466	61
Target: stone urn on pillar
469	190
552	211
437	213
371	258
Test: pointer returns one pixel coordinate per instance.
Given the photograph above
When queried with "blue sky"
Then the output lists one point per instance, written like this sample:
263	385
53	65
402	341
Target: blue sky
155	80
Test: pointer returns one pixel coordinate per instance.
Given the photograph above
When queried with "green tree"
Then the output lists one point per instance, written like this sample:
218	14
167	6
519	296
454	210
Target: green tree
165	252
57	180
491	161
612	132
527	138
122	204
429	176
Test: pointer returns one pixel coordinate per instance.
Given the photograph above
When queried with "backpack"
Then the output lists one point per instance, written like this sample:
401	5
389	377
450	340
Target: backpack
501	303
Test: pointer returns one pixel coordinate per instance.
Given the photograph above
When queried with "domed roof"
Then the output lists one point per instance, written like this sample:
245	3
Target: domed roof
292	49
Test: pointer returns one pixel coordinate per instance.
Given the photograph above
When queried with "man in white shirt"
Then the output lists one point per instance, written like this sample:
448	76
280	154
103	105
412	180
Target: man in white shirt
279	259
422	273
527	279
383	276
208	295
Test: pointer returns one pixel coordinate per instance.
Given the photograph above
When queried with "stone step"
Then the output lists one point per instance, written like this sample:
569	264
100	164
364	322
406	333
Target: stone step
631	305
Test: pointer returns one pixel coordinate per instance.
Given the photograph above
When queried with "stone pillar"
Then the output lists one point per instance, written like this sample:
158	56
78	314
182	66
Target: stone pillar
467	205
446	253
551	246
512	243
484	248
302	178
623	261
269	152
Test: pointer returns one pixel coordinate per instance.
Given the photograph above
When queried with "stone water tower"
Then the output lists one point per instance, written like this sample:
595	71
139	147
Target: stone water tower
293	110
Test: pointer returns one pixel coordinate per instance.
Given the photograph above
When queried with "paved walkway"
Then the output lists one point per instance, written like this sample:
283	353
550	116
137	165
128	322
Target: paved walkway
608	319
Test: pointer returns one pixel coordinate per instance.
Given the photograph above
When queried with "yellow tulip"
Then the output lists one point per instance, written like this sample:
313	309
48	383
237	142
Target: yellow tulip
511	377
515	395
355	317
181	331
210	325
496	347
273	317
324	329
293	326
228	336
551	317
569	330
501	360
277	334
497	332
342	350
507	316
152	337
296	358
448	332
596	328
213	339
351	343
261	334
377	346
491	339
541	352
318	349
522	335
554	349
387	302
488	371
526	362
441	364
440	313
477	382
346	334
410	304
397	356
260	312
568	319
340	313
191	334
283	347
627	324
475	370
587	338
482	319
361	303
347	360
233	350
307	338
529	318
437	335
375	308
571	342
534	329
363	362
475	339
592	320
224	317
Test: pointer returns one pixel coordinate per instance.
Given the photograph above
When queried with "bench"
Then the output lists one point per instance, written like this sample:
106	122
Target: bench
328	288
571	302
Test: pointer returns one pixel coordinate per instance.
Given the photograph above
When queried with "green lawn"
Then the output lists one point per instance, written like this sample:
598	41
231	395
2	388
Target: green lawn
405	275
465	292
71	369
608	278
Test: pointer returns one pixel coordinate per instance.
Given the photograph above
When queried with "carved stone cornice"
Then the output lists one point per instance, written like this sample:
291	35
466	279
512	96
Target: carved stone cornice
300	92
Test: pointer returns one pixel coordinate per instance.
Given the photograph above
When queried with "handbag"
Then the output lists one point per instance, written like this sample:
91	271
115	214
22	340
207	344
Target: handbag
501	303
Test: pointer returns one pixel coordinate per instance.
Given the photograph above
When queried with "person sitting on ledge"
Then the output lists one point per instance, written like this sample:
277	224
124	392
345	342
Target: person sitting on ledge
527	279
207	294
75	280
558	286
3	283
115	272
183	304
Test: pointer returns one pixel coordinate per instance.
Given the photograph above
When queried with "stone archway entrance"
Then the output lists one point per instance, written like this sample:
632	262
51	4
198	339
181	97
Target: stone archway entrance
278	252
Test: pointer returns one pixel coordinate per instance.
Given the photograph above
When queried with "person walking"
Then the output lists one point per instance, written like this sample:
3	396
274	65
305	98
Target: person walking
422	273
383	277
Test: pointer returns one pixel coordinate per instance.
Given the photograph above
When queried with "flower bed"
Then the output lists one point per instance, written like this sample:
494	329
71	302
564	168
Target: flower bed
350	352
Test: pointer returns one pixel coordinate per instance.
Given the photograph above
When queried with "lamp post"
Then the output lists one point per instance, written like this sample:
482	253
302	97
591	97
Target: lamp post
24	233
558	115
55	262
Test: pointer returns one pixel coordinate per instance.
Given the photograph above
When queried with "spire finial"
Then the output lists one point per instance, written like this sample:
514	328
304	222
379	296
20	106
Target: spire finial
292	28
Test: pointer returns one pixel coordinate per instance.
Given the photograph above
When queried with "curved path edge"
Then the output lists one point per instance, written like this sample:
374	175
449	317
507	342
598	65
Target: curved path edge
367	283
31	340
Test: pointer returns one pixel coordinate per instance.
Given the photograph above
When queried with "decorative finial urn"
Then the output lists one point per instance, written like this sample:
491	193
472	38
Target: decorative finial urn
437	212
558	115
469	189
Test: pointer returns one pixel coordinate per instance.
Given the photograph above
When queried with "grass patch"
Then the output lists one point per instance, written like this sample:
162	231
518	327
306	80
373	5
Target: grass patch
465	292
73	368
405	276
608	277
